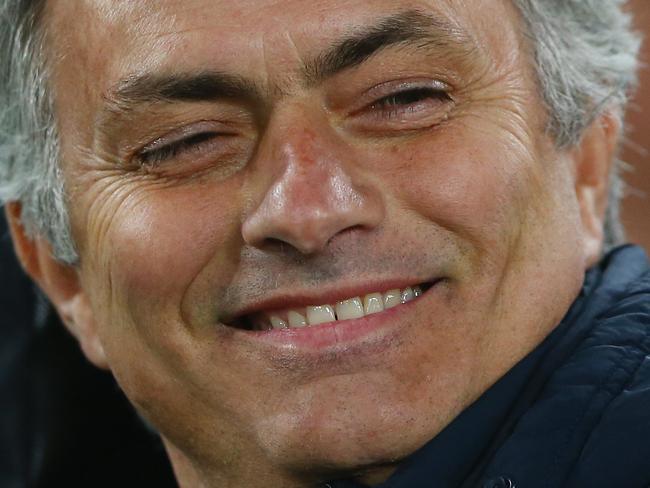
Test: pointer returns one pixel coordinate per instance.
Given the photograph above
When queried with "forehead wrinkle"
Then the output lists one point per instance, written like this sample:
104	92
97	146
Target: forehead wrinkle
294	46
299	56
276	85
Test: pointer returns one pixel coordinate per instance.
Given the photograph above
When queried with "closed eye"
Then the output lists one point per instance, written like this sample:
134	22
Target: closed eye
161	151
404	107
409	97
410	101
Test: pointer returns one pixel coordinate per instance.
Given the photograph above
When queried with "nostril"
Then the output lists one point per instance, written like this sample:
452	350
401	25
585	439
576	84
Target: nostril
276	245
307	245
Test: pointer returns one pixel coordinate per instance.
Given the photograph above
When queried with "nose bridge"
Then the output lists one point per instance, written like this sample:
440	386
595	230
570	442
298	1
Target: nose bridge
313	179
315	195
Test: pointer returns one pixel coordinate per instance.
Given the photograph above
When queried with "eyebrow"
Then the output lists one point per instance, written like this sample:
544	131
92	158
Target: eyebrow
407	27
187	87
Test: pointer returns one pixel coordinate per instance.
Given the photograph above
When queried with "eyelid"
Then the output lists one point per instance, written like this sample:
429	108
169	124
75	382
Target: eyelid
376	114
389	88
179	135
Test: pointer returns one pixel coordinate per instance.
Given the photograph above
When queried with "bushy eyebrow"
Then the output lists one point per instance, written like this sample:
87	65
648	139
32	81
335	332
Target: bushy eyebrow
188	87
403	28
408	27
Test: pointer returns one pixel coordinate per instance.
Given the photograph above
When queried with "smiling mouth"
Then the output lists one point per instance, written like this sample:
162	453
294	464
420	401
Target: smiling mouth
341	310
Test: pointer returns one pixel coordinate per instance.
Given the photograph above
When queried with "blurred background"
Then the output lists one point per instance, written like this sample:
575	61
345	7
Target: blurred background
636	206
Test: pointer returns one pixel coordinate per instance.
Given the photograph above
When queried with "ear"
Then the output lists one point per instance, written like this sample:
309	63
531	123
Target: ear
593	160
60	282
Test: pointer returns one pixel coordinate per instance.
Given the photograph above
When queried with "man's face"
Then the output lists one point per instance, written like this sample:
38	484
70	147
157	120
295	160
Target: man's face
229	162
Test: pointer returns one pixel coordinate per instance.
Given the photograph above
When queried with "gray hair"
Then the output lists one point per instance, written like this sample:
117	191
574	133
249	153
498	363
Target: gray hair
29	145
586	56
585	52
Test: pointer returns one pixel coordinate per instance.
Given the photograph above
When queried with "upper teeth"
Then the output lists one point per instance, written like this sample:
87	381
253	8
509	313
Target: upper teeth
351	308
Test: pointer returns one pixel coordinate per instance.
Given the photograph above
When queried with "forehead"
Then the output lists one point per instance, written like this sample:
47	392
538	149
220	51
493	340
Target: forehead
118	36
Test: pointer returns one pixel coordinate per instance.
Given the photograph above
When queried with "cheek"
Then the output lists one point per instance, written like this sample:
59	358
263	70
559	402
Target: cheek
156	243
143	269
476	188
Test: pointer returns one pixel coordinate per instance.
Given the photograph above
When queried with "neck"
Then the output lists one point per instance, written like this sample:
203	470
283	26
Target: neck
190	474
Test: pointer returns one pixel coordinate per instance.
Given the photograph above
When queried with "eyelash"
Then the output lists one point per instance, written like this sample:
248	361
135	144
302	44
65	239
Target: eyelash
407	100
159	155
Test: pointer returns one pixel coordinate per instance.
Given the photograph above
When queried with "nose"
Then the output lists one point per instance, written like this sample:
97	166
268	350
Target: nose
319	192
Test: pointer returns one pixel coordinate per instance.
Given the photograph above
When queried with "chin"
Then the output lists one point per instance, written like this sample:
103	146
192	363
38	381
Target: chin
342	449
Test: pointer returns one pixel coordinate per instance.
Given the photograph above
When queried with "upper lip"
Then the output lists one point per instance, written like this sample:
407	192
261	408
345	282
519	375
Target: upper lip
326	294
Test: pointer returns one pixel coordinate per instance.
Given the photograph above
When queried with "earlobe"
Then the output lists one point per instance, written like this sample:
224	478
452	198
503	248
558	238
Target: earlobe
24	247
78	317
593	161
60	282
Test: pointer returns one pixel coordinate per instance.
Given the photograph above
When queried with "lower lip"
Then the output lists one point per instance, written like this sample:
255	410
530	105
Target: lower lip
338	335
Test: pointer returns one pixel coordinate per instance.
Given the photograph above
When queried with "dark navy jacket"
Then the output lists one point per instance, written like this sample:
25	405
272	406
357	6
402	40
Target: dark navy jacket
574	413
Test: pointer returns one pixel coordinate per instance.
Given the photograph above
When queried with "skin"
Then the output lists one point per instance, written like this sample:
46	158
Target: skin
315	187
